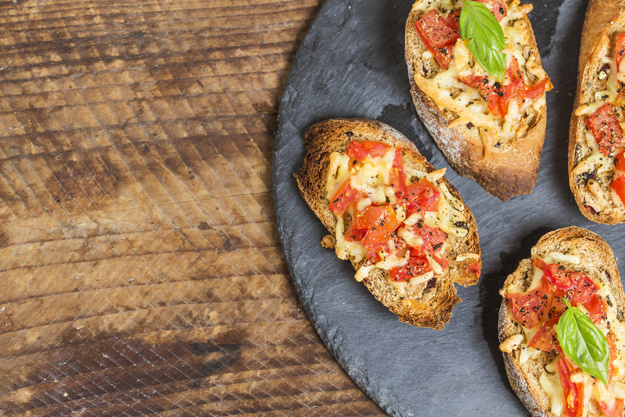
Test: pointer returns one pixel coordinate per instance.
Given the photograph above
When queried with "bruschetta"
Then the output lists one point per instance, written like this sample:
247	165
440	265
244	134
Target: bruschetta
403	226
489	129
596	142
561	327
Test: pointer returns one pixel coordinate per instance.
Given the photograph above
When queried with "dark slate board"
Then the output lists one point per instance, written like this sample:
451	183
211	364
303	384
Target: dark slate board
351	64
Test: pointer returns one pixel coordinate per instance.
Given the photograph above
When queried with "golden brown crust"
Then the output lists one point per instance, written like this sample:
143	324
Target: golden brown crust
597	260
603	19
504	171
435	306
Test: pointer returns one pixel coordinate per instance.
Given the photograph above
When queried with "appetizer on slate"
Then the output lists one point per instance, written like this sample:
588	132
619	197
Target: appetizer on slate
561	327
478	86
596	143
402	225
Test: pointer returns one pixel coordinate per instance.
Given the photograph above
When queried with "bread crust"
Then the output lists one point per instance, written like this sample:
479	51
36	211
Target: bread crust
603	18
434	308
504	171
597	261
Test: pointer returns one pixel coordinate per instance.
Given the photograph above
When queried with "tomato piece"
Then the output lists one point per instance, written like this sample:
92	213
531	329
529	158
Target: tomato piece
398	177
559	277
365	149
475	268
619	162
433	238
416	266
572	395
491	93
379	223
444	263
529	308
538	89
546	338
618	185
345	195
619	50
435	28
596	308
539	263
422	196
437	36
615	410
496	7
605	127
453	19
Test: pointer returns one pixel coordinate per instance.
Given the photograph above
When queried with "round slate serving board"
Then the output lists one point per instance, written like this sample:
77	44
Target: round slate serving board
351	64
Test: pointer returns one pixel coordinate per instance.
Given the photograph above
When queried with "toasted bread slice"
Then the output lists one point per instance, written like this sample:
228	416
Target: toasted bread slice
531	371
501	153
591	172
427	303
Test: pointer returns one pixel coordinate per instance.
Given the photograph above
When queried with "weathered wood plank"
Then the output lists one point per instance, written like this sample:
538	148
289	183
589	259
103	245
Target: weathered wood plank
140	266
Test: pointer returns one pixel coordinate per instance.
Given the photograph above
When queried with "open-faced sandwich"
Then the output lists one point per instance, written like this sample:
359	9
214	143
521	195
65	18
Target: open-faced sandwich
561	327
478	86
402	225
596	143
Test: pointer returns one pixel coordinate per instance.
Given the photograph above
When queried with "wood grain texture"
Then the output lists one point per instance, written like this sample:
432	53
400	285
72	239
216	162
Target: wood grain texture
140	267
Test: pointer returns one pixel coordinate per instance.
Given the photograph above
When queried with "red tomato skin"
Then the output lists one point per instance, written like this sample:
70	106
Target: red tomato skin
572	395
529	308
417	265
618	185
436	29
422	196
619	162
605	127
619	49
361	150
615	411
398	177
433	238
378	224
345	196
496	7
437	36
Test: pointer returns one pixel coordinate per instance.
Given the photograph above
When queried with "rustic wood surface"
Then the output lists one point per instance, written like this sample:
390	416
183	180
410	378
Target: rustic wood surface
140	267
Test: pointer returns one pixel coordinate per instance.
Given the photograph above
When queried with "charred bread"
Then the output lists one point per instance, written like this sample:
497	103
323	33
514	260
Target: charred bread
596	143
577	265
490	131
403	226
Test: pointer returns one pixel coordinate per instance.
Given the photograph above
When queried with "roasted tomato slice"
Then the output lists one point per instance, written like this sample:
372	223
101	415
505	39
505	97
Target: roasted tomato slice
618	185
619	50
433	238
345	195
538	89
572	395
596	308
614	409
422	196
379	222
416	266
438	36
398	177
496	7
605	127
529	308
362	150
436	29
619	162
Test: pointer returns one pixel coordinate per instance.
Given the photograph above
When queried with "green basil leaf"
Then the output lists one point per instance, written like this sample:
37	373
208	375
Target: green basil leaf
584	343
485	35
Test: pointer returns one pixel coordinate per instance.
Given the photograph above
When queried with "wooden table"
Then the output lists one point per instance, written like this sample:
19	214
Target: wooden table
140	270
